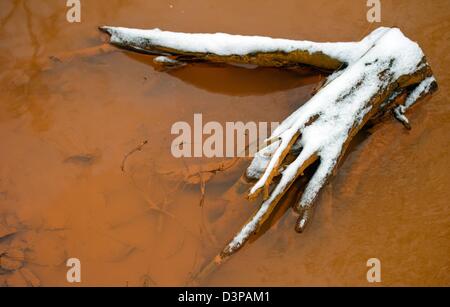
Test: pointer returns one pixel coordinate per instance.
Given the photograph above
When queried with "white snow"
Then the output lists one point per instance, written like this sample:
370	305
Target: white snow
260	161
422	89
164	60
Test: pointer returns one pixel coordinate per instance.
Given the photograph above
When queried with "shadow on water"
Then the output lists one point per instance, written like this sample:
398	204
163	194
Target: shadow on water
236	80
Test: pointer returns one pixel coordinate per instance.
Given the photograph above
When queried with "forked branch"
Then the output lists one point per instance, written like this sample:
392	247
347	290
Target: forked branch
384	72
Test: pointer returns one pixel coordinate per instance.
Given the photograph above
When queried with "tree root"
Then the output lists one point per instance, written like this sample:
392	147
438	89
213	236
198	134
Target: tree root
384	73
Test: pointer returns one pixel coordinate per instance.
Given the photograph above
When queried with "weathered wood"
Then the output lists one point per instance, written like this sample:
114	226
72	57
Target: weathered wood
319	55
389	73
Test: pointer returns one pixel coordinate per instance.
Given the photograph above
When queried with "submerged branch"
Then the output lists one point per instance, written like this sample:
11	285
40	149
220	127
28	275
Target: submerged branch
128	154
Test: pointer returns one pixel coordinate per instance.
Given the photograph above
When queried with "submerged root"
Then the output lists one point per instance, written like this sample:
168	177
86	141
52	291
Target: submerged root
196	174
128	154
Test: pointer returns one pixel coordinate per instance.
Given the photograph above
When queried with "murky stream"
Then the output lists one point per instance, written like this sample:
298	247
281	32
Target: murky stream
65	130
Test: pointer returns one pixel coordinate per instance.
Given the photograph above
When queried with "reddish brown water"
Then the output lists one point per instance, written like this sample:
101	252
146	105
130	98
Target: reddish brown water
64	132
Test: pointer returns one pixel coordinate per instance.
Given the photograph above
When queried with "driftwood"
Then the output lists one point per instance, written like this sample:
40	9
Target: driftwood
385	73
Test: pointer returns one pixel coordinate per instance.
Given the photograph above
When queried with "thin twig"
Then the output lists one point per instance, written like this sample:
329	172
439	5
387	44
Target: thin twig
202	189
136	149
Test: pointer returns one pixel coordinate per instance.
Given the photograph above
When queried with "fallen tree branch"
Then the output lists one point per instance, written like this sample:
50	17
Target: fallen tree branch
384	72
254	50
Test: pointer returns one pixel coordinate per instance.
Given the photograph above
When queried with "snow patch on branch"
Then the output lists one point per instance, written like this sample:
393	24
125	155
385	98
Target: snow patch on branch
165	60
422	89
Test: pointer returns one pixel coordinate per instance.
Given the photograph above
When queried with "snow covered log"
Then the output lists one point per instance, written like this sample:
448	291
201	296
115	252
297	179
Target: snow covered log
384	72
239	49
325	125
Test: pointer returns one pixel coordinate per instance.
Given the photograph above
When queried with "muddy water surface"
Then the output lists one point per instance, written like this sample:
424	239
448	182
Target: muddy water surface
65	128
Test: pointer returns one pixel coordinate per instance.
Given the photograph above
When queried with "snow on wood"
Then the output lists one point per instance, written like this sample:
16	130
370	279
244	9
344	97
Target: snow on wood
427	85
325	124
369	78
258	50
